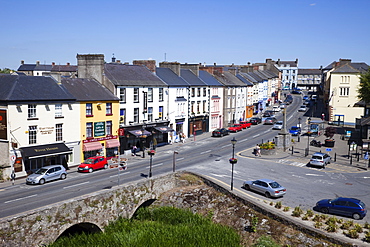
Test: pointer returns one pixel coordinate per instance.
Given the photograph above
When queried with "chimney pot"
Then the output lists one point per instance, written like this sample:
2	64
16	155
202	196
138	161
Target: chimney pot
37	63
68	64
22	62
53	63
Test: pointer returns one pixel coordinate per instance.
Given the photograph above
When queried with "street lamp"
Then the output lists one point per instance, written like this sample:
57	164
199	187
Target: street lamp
151	153
233	161
299	125
143	138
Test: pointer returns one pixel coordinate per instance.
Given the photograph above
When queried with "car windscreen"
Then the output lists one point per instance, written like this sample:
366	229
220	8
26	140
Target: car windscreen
317	157
41	171
89	161
274	185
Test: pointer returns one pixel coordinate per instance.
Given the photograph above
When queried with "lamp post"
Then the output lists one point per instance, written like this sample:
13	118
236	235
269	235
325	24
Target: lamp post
143	137
194	126
308	140
299	125
232	162
151	153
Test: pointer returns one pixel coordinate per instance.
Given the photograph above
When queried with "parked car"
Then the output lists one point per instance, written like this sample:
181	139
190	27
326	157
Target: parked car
307	102
255	120
351	207
46	174
268	187
276	108
296	92
246	124
302	108
282	105
220	132
235	128
320	159
305	97
270	120
278	125
295	130
93	163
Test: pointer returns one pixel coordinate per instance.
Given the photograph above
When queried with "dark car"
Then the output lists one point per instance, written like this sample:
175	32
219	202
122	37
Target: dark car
220	132
270	120
255	120
296	92
351	207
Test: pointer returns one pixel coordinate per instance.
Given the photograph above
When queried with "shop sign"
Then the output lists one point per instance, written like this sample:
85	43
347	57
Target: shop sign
99	129
46	130
3	125
100	139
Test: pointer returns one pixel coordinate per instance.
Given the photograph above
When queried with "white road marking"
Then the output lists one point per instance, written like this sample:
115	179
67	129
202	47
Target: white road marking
117	174
316	175
226	146
75	185
255	136
180	158
243	140
21	198
156	165
218	175
206	151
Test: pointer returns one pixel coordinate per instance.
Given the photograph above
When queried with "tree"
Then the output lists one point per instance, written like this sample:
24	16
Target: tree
364	87
5	71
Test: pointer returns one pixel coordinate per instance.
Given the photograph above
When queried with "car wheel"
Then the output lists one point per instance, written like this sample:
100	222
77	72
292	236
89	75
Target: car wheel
325	210
90	170
42	181
356	216
106	166
267	195
247	187
63	176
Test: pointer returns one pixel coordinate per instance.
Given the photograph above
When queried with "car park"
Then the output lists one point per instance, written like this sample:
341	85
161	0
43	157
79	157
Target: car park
278	125
46	174
235	128
350	207
220	132
295	130
268	187
93	163
269	120
245	124
320	159
255	120
302	108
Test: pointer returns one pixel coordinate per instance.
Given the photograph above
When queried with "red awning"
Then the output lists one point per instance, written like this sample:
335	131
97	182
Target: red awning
89	146
112	143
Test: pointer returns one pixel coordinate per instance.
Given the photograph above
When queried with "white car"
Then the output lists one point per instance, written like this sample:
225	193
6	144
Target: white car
282	105
278	125
302	108
275	108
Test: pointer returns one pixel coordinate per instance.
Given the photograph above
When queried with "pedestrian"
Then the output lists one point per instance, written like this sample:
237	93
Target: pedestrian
134	149
322	116
258	150
183	137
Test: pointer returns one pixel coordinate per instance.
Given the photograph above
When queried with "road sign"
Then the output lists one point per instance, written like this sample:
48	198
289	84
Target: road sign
328	149
12	158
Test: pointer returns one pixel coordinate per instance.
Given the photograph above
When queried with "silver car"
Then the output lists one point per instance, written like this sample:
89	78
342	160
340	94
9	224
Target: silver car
278	125
320	159
46	174
268	187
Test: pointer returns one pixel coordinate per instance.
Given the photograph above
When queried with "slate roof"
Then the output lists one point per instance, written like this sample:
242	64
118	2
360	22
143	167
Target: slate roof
230	80
84	89
191	78
64	68
245	80
131	75
32	88
249	78
269	74
43	67
171	78
361	67
309	72
27	67
345	69
255	76
261	75
209	79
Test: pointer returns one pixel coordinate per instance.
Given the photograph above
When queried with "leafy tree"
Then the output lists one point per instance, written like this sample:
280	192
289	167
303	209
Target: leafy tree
364	87
5	71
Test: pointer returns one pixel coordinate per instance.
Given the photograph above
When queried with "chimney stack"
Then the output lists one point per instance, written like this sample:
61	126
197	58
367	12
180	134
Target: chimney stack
22	62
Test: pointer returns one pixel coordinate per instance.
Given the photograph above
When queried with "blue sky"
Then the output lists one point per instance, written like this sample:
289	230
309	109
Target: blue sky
317	32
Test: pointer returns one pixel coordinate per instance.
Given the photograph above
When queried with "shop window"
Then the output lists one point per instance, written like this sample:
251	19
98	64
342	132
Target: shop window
31	111
59	132
136	95
108	127
58	110
89	110
32	134
89	130
344	91
122	95
136	115
108	109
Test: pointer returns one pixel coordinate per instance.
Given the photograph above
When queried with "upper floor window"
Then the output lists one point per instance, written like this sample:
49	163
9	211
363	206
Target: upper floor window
122	114
192	92
160	94
122	95
58	110
204	92
345	79
108	109
344	91
136	115
150	94
89	130
198	93
160	115
108	127
32	134
59	132
89	110
150	114
31	111
136	95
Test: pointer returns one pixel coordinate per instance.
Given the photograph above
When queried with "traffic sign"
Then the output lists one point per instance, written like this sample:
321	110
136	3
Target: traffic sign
12	158
328	149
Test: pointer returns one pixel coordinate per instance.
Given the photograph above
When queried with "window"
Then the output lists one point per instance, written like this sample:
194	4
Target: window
31	111
89	111
58	110
89	130
198	110
136	95
204	106
32	132
108	109
122	114
192	107
160	94
59	132
345	79
198	93
161	112
343	91
150	114
204	92
108	127
192	92
122	95
150	94
136	115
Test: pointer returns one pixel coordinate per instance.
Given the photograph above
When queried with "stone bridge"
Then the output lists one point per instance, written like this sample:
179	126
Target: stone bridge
89	213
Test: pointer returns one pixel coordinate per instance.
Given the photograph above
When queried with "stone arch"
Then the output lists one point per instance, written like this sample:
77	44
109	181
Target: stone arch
86	227
146	203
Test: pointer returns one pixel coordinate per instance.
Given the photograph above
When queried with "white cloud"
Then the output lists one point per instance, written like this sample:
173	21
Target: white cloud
312	4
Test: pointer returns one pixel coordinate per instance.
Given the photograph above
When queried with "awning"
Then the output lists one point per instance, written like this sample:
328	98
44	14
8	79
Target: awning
90	146
139	133
45	150
164	129
180	99
112	143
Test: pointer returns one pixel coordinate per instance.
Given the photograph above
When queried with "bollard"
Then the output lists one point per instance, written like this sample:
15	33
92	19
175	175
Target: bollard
335	157
350	161
358	157
368	165
292	150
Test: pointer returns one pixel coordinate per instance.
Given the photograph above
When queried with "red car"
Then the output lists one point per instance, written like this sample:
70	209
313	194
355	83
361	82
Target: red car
235	128
93	163
246	124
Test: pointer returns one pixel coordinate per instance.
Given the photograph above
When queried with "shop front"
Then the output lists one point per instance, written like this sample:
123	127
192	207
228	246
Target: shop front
198	125
105	146
35	157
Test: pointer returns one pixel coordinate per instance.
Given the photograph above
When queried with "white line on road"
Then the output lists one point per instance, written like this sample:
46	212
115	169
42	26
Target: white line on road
226	146
157	165
206	151
75	185
316	175
21	198
244	140
255	136
120	174
217	175
180	158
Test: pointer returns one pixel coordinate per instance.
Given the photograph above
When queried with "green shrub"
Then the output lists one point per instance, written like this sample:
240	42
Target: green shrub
297	211
352	234
267	145
346	225
278	205
309	213
317	224
254	223
367	236
317	218
286	209
358	228
331	220
332	227
367	225
265	241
